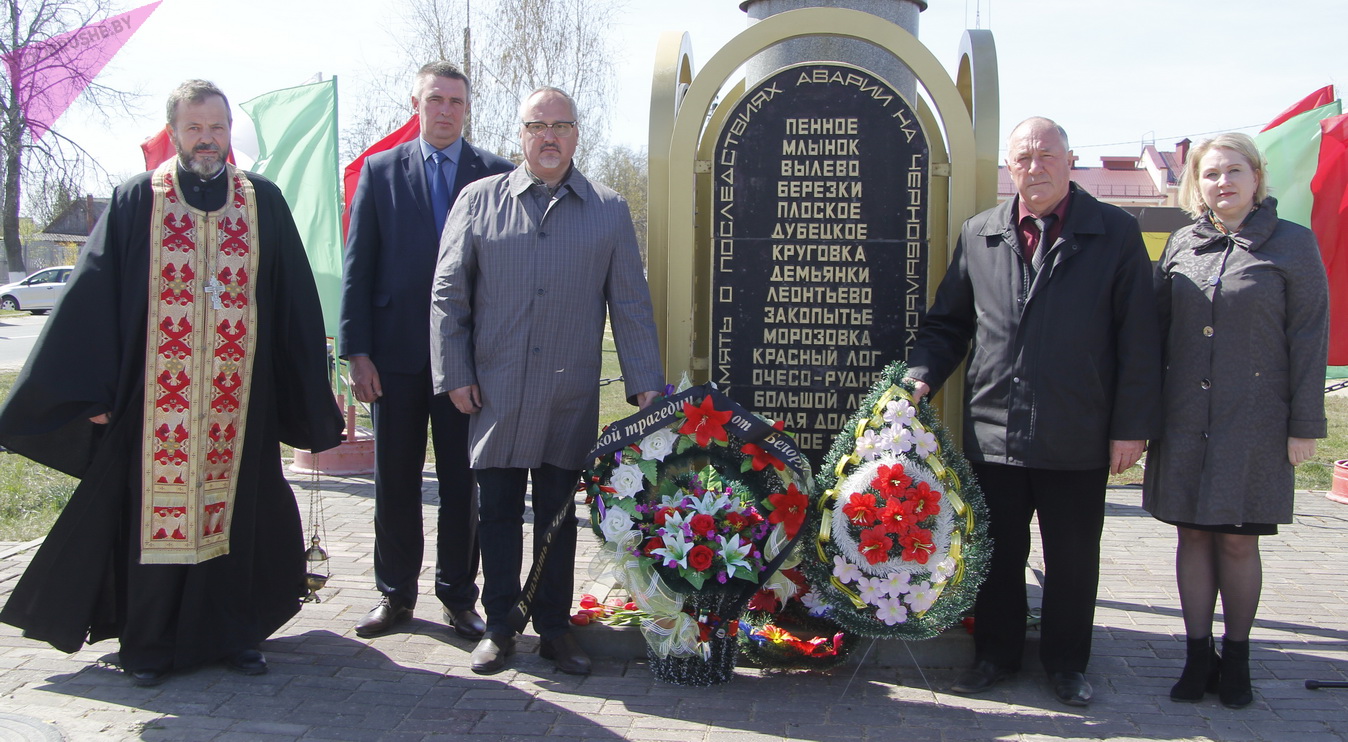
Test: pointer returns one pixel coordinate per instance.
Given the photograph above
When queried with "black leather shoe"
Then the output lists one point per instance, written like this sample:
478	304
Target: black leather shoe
1071	688
248	662
565	651
466	622
385	616
979	678
489	656
147	678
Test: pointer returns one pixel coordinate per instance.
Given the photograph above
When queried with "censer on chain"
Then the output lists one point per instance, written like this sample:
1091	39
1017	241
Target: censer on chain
315	557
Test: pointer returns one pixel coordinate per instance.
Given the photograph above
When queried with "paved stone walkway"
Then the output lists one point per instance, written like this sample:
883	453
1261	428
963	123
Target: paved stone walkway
325	683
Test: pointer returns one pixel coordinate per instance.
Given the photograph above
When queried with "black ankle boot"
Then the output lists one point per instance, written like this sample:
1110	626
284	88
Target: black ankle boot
1201	666
1234	686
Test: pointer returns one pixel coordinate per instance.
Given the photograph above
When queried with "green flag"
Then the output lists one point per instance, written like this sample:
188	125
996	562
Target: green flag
297	149
1292	149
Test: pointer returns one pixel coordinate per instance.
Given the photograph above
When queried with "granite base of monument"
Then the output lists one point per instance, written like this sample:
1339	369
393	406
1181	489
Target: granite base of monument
952	649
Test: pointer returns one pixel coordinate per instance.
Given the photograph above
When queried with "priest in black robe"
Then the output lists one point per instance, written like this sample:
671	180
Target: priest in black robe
108	567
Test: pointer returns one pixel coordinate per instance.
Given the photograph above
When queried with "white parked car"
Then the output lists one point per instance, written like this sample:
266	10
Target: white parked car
37	293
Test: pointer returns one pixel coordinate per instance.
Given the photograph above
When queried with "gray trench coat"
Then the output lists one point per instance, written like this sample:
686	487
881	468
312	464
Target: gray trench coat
1247	320
518	306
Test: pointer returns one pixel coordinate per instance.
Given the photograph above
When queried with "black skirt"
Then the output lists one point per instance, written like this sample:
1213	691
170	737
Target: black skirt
1240	529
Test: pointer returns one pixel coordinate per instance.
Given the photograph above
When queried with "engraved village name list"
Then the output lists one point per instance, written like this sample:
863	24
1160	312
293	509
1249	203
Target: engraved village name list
819	253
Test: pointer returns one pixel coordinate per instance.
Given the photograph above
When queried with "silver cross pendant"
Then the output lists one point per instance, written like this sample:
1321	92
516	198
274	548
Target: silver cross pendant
215	289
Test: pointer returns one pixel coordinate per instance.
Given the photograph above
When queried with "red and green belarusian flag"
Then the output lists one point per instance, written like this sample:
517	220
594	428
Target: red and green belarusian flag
1307	151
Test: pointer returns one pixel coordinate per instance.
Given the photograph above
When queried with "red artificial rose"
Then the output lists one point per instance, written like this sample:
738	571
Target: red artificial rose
891	481
862	509
917	546
705	421
898	517
700	557
703	525
789	509
875	545
663	514
653	543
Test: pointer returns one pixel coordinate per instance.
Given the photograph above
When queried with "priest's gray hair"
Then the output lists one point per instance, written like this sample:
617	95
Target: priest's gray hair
195	91
575	112
439	68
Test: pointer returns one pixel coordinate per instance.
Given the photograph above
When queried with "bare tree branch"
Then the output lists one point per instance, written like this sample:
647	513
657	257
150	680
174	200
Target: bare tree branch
54	165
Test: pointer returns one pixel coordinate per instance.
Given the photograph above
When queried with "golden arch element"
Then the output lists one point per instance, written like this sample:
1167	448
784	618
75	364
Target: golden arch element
678	256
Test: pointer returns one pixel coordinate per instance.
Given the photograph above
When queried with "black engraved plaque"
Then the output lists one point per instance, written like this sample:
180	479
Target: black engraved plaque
819	251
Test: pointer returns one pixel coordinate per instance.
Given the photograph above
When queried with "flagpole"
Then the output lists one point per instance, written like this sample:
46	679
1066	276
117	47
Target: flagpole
468	63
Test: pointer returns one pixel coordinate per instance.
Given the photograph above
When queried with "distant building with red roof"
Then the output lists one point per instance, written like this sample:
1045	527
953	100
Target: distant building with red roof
1146	186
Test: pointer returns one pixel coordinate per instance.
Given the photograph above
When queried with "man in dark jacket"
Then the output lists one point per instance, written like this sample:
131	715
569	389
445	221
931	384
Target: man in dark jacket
1053	290
398	211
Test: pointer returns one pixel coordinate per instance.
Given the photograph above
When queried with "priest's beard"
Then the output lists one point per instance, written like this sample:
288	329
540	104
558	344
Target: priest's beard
205	159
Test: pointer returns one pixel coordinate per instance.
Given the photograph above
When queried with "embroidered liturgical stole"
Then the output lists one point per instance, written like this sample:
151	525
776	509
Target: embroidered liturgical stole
202	334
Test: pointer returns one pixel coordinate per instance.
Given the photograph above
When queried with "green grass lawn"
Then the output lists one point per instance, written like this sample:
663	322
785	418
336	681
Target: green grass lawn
32	495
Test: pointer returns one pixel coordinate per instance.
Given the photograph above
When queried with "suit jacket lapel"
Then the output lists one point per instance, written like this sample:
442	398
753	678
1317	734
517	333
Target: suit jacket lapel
416	177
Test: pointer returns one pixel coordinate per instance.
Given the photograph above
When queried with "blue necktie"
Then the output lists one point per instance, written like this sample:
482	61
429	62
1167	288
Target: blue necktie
439	191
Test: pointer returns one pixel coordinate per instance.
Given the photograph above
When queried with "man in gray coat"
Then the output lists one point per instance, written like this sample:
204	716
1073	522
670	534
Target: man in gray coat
1053	290
530	262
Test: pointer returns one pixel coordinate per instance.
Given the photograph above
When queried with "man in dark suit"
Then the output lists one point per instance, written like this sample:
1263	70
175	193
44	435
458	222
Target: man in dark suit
396	217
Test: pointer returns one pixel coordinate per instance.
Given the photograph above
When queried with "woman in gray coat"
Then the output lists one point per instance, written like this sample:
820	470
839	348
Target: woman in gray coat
1245	306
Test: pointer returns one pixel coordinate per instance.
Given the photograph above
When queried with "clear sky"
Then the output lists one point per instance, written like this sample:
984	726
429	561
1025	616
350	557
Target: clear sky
1113	74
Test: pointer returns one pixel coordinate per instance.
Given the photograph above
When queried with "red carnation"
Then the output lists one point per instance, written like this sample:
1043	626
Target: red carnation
875	545
700	557
891	481
862	509
703	525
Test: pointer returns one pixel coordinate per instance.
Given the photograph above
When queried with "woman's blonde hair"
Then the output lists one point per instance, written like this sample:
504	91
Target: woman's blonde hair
1191	199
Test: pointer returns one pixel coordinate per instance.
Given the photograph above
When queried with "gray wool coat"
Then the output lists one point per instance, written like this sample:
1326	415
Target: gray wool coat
1247	320
519	298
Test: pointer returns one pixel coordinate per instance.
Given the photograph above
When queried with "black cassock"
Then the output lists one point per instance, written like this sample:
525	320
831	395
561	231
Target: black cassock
86	581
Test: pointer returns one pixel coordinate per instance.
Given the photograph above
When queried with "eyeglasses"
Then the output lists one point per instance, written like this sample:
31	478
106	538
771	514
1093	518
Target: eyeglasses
560	129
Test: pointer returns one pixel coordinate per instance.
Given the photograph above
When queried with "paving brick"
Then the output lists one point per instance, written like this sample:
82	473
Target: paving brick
415	684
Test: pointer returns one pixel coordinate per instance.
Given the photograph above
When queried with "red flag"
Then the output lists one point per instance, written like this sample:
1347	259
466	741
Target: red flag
49	75
1323	96
351	174
1329	221
158	149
